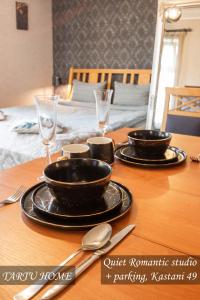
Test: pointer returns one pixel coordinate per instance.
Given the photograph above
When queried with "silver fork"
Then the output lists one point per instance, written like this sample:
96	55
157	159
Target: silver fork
195	158
15	197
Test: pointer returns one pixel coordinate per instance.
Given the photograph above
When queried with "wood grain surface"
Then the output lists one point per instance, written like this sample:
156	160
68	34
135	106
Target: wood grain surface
166	211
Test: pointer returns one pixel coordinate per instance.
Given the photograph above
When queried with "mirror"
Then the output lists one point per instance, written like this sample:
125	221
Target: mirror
178	64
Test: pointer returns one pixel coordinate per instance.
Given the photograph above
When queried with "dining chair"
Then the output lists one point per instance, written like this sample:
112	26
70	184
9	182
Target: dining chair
182	110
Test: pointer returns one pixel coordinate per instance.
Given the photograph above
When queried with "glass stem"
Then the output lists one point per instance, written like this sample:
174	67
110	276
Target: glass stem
48	156
104	131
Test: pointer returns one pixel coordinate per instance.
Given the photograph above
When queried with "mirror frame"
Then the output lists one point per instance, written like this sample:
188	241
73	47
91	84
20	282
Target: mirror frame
158	47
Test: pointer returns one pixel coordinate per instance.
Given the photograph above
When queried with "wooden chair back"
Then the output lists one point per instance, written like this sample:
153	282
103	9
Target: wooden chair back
184	114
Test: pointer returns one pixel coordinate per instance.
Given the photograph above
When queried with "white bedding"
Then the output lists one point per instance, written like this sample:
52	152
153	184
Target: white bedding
78	117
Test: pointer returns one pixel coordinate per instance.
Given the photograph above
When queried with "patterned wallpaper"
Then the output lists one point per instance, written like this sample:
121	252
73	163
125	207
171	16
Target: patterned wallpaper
103	34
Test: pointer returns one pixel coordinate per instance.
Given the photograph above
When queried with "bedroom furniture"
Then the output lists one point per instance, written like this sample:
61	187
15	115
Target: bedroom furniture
78	121
84	91
184	114
128	94
77	118
165	210
134	76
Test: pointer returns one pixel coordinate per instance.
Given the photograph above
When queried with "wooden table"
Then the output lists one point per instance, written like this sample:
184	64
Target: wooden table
166	210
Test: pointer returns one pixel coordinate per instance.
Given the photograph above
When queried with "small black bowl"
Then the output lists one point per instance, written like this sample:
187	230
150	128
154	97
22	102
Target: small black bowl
149	143
79	182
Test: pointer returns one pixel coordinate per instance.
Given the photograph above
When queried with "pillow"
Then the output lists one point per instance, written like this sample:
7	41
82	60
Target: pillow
130	94
83	91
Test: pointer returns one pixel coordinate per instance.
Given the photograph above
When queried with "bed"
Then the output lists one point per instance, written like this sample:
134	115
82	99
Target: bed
78	118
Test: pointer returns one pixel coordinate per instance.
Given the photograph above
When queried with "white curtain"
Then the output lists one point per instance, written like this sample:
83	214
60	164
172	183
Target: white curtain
169	74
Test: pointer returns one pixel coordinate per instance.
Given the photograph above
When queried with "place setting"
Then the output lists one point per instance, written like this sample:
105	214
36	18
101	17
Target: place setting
150	149
77	191
98	240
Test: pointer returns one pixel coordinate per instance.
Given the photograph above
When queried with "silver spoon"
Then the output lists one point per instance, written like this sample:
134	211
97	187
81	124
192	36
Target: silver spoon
94	239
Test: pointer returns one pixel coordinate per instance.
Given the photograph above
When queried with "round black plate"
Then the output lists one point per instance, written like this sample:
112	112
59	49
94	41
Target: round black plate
28	210
169	156
46	203
181	157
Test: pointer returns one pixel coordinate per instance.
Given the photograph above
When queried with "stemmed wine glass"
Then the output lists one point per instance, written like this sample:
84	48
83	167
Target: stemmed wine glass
103	100
46	112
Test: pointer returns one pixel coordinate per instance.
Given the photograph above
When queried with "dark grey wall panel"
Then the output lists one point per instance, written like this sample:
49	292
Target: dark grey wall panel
103	34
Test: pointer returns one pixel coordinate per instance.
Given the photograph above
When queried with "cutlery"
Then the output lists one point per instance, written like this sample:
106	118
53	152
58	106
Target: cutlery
15	197
195	158
53	291
94	239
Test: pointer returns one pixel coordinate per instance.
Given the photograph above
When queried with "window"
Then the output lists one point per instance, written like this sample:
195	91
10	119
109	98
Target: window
170	63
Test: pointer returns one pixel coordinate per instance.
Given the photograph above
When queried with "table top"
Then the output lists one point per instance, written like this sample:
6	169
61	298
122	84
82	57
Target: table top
165	210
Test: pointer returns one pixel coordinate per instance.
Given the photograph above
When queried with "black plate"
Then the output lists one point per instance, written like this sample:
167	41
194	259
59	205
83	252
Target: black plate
46	203
181	157
28	210
170	155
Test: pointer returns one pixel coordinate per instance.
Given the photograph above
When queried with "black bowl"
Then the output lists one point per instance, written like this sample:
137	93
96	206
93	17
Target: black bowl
79	182
149	143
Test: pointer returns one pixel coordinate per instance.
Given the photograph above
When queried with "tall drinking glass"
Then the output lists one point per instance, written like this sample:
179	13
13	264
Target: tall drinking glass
46	111
103	101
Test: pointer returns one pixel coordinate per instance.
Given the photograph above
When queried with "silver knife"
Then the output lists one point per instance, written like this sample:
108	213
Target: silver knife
54	290
33	289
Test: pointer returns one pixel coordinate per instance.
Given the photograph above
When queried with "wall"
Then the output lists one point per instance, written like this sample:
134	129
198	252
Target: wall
190	63
103	34
25	56
155	68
